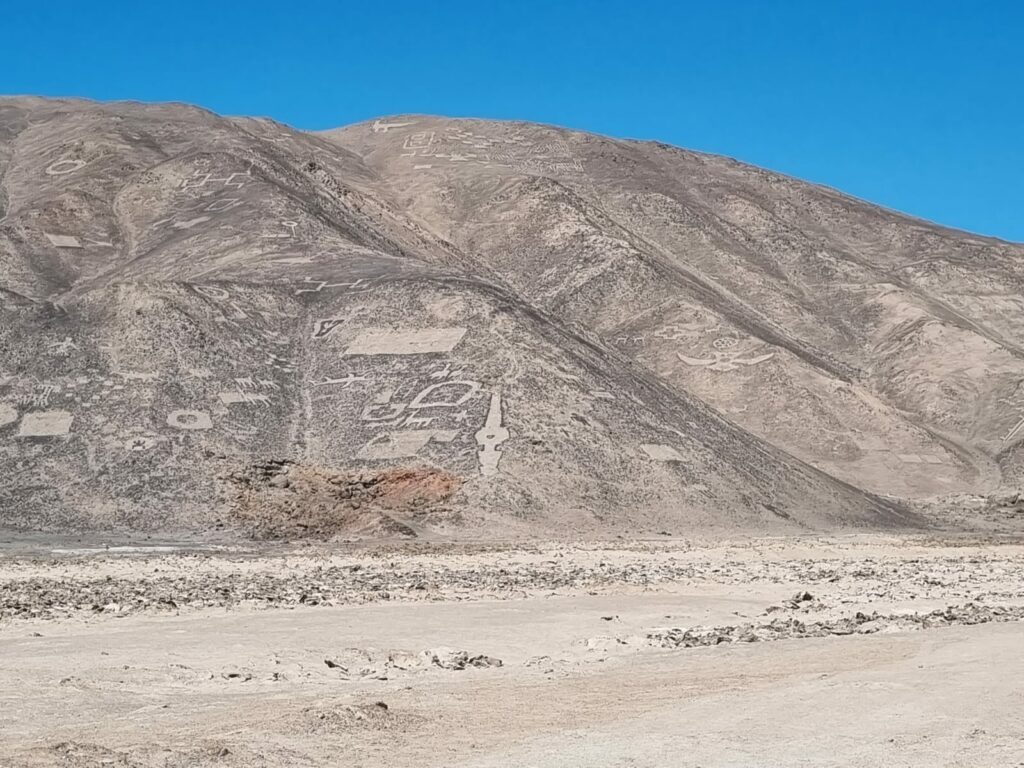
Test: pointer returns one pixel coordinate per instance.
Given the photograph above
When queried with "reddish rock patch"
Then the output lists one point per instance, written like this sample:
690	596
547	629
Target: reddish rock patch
283	500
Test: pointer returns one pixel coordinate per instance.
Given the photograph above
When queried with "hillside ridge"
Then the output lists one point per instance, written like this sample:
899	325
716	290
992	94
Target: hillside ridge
540	330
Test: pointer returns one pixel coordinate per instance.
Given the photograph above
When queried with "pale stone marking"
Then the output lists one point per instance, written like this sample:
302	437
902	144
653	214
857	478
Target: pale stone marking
242	432
379	127
64	167
63	241
657	452
322	328
41	397
681	331
199	180
445	373
724	361
909	458
8	414
318	285
280	362
63	347
248	398
490	436
372	412
190	223
291	225
413	342
346	381
225	204
211	292
434	396
417	421
396	445
418	141
189	420
1014	431
45	424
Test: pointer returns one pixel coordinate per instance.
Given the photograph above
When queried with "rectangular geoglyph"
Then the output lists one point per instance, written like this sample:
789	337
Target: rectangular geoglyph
45	424
379	341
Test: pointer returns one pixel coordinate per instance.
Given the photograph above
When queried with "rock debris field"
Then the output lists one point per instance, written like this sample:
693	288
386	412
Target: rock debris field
527	655
186	582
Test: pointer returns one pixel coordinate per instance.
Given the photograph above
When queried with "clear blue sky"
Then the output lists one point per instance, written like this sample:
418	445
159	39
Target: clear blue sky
913	104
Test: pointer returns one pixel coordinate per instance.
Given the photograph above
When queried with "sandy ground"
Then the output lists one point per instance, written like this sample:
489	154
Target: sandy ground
855	651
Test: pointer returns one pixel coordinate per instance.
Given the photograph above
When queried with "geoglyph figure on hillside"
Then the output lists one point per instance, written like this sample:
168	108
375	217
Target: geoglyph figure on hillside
490	436
724	360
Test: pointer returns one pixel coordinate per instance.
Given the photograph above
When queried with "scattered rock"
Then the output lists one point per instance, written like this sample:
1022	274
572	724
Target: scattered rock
282	500
178	586
326	718
859	623
241	675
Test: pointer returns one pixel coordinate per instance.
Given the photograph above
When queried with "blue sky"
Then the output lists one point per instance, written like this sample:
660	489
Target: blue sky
915	105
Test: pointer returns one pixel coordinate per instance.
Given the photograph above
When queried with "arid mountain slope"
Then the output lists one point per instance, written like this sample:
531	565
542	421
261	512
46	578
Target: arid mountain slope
887	351
446	327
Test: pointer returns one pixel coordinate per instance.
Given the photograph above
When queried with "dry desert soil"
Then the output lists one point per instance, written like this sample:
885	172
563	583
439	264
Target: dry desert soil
861	650
446	442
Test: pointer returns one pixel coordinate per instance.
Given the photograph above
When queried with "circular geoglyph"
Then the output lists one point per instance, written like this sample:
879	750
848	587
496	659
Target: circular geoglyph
189	420
65	166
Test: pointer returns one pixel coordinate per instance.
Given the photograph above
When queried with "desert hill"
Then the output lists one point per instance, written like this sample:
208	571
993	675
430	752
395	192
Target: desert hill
434	327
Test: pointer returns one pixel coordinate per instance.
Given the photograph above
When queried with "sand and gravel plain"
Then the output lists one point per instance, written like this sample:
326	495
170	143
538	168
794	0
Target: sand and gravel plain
796	651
